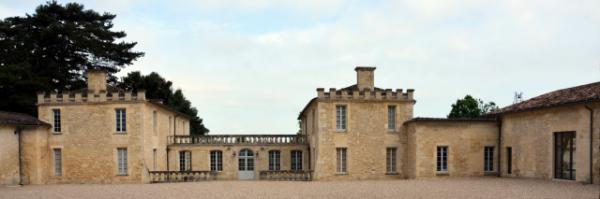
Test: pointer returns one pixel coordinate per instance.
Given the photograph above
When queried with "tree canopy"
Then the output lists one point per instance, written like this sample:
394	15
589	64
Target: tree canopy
51	49
158	88
469	107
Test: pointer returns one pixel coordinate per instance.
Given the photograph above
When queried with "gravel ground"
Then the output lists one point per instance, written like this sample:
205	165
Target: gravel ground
422	188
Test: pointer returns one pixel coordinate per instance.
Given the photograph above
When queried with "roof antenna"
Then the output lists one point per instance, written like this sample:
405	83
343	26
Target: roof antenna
518	97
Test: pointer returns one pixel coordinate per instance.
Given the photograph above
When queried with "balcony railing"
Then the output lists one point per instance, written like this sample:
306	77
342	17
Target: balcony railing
286	175
181	176
238	139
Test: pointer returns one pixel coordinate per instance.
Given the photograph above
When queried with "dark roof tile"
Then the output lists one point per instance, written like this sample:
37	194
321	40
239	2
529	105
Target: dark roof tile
573	95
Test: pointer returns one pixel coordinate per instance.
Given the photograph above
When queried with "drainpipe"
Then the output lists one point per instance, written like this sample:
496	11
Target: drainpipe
499	121
168	173
591	143
18	132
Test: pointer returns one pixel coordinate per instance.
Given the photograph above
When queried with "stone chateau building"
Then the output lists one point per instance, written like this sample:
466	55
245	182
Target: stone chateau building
106	135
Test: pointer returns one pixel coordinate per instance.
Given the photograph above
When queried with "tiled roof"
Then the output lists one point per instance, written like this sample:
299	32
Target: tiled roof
355	88
19	119
430	119
573	95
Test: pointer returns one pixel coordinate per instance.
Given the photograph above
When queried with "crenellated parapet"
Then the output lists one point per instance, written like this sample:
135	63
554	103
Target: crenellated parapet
90	96
365	94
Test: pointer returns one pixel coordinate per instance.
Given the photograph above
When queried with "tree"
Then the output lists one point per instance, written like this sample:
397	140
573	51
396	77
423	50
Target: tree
469	107
51	49
158	88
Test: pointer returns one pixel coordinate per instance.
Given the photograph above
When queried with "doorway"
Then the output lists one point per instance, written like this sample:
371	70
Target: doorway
246	165
564	155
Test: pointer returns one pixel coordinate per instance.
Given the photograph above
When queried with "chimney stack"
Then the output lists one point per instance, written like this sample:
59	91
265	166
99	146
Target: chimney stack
365	77
96	80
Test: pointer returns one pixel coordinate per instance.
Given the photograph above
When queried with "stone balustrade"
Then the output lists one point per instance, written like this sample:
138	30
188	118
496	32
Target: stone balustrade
238	139
286	175
387	94
181	176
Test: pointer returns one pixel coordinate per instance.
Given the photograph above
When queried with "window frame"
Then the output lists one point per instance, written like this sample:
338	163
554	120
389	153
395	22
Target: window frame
392	115
56	121
341	117
391	163
442	152
122	162
57	158
185	160
296	157
121	120
488	159
216	160
341	160
274	160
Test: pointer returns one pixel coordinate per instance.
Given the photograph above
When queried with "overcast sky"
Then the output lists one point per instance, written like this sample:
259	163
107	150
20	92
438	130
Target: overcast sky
251	66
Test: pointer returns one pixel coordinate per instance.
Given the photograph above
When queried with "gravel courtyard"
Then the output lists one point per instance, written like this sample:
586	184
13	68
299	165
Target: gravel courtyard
422	188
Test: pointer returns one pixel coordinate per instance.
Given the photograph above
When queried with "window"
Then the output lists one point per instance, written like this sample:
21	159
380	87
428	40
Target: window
56	115
341	166
122	161
509	160
121	121
57	162
442	159
488	158
296	160
154	159
185	161
274	160
390	160
154	122
216	161
340	117
392	118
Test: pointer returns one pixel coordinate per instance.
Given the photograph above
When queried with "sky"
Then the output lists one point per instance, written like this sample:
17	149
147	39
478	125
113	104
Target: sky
251	66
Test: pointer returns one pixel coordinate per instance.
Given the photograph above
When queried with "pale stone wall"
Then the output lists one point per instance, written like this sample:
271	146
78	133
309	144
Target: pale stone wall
9	155
367	137
89	142
201	158
531	136
465	142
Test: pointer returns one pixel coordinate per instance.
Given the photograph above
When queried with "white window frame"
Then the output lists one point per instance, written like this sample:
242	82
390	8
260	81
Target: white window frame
122	169
56	118
185	160
442	159
296	160
57	153
392	118
216	160
121	120
391	160
341	117
274	160
488	159
341	160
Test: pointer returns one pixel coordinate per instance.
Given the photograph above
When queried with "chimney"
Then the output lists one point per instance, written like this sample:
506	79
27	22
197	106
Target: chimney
365	77
96	80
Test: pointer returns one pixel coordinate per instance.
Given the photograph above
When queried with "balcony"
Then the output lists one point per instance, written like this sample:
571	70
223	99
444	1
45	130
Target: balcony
238	140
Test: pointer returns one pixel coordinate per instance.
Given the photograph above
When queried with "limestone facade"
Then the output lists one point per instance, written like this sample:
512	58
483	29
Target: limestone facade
89	138
531	137
352	133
